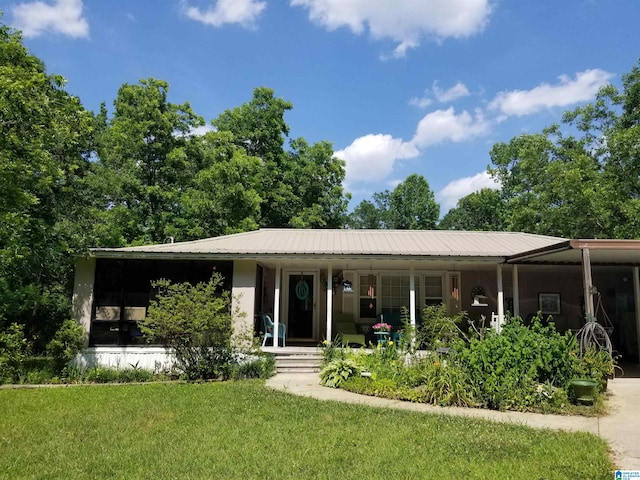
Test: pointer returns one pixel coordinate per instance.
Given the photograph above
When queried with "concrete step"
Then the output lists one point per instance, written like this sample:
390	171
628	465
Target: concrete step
298	370
298	362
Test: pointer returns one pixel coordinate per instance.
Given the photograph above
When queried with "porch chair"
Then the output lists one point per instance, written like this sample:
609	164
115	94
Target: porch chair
346	331
267	327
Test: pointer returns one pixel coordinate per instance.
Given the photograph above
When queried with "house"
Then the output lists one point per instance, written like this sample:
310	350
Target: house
305	277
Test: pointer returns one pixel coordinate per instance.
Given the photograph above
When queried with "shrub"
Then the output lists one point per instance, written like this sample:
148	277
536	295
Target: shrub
337	371
14	351
65	345
505	369
260	366
438	329
194	320
595	364
114	375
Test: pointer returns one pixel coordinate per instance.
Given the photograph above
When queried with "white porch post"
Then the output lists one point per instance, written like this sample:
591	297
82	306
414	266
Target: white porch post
276	306
329	300
412	297
588	286
516	292
636	298
500	297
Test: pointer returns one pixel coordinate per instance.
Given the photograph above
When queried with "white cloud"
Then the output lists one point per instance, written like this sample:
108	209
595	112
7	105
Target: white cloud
445	125
242	12
371	158
457	189
199	131
63	17
459	90
566	92
420	102
403	21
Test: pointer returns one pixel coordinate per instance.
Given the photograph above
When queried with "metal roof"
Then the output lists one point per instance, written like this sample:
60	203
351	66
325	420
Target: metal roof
395	243
602	252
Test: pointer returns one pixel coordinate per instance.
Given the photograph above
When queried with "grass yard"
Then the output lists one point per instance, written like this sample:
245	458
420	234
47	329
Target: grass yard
243	430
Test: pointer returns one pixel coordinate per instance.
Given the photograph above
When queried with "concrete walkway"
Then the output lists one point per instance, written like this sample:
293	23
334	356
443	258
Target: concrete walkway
621	428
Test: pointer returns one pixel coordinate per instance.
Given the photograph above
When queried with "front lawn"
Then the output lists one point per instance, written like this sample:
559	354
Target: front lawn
243	430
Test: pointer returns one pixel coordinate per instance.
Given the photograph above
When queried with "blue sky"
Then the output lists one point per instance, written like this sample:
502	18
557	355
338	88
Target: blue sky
398	86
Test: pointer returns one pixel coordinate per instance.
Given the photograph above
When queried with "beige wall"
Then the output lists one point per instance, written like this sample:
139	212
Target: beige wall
82	301
243	291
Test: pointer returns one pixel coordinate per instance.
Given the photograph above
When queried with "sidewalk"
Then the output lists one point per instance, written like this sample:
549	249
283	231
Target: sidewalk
621	428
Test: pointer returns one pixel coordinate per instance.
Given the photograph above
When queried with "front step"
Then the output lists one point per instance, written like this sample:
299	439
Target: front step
298	362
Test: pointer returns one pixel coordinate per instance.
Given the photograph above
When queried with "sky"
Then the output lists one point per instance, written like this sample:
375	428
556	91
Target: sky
397	86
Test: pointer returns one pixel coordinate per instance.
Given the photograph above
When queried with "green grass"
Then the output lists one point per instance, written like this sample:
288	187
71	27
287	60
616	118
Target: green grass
243	430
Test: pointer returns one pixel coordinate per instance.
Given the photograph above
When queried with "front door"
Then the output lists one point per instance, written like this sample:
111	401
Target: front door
301	309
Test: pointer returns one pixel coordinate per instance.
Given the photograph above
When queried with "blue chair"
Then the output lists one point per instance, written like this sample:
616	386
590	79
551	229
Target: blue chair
267	327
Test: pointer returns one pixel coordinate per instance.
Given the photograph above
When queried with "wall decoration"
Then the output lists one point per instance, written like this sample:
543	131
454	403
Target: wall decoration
549	303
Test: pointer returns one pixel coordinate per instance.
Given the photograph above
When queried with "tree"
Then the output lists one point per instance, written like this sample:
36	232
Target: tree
365	215
44	150
585	186
411	205
482	210
224	196
301	187
143	162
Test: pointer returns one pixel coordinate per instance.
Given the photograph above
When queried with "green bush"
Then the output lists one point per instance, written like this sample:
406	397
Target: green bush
262	366
339	370
195	321
14	352
595	364
65	345
114	375
506	369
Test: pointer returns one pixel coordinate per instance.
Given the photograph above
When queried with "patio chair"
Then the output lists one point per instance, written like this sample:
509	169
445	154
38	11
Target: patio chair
267	327
346	331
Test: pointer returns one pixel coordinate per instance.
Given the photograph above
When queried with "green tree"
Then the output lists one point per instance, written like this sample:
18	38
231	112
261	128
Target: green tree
412	205
482	210
143	162
301	187
44	150
583	186
365	215
224	196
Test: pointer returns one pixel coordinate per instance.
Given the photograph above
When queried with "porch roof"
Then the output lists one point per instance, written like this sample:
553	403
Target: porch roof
601	252
270	243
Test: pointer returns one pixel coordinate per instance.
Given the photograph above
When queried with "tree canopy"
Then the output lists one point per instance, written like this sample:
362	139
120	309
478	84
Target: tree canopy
410	206
138	173
582	185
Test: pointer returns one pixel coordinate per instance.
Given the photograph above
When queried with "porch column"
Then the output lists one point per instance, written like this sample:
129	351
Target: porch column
516	292
588	287
276	306
500	297
329	300
636	298
412	297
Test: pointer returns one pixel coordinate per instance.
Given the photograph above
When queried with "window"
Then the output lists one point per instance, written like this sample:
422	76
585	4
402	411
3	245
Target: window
433	290
396	291
368	295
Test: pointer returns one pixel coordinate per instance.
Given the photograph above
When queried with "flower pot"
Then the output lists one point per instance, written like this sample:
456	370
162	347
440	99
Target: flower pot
583	390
